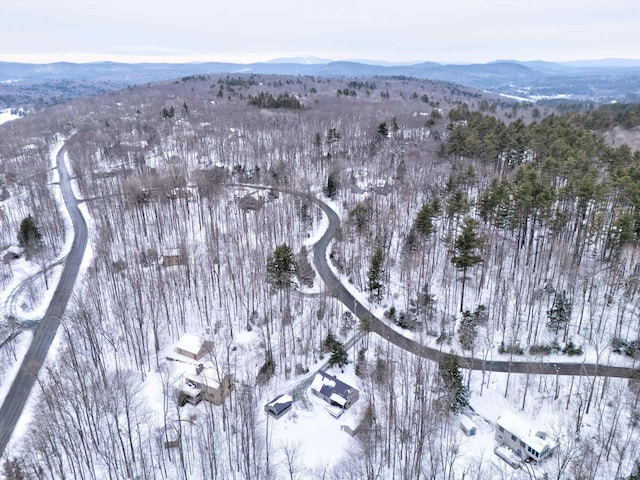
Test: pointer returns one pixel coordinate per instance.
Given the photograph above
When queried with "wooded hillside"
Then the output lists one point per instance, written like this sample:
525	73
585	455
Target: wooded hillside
475	225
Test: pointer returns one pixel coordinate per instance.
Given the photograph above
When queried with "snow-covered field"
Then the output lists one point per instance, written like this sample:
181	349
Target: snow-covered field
7	116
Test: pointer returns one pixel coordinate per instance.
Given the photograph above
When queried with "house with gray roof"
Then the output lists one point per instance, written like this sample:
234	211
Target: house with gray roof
334	391
279	406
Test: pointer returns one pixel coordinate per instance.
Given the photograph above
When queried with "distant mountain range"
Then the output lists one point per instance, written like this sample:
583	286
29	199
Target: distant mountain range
601	80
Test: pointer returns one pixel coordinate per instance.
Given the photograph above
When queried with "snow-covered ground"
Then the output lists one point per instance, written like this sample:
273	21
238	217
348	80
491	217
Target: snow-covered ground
26	299
319	439
140	309
7	116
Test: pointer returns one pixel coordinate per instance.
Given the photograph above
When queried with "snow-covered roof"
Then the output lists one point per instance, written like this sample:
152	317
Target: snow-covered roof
286	398
525	432
191	391
279	404
207	376
334	411
319	380
330	387
190	343
467	423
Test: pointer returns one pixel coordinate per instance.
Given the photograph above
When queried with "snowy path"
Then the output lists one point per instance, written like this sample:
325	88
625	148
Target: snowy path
11	304
46	331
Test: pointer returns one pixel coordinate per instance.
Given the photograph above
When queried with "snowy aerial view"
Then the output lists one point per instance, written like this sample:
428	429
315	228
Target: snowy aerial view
214	266
275	280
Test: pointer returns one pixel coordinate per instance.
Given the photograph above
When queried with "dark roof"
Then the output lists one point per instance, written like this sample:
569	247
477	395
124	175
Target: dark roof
249	203
338	387
279	405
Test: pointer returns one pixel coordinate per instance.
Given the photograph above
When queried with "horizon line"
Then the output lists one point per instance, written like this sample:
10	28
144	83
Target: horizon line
46	59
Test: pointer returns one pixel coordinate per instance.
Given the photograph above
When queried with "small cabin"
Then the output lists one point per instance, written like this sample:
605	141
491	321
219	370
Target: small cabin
279	406
173	257
467	426
248	202
192	346
206	384
12	253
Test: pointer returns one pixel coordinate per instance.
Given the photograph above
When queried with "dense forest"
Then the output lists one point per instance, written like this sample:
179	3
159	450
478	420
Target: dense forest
474	224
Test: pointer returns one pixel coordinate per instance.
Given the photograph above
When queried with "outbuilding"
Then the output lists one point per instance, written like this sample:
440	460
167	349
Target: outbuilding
192	346
468	426
12	253
173	257
279	406
206	384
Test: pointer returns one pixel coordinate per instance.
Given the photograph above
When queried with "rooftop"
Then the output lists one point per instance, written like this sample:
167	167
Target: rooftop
207	376
190	343
330	386
279	404
526	432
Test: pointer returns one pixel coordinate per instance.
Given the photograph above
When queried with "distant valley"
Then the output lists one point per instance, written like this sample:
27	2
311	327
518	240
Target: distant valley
35	86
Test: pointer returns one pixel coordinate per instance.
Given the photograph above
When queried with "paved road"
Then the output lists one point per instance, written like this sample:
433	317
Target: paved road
335	288
43	336
338	290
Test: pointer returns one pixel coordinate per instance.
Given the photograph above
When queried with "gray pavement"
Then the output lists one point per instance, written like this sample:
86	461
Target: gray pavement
338	290
45	332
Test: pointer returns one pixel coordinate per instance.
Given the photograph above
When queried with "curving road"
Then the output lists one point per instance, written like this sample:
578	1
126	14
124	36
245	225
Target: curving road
338	290
11	304
46	331
21	388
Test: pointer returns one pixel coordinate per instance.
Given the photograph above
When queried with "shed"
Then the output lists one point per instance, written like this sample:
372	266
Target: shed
193	346
12	253
468	426
173	257
279	406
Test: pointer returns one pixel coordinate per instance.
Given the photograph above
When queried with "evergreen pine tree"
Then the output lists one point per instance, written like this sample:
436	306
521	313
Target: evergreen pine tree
375	286
29	236
455	393
331	189
281	266
468	330
463	254
338	355
383	130
560	312
423	223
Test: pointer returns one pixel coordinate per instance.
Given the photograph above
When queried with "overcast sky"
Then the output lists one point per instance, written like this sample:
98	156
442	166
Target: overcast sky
259	30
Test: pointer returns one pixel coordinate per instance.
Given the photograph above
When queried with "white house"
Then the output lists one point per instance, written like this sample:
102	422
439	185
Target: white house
526	441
